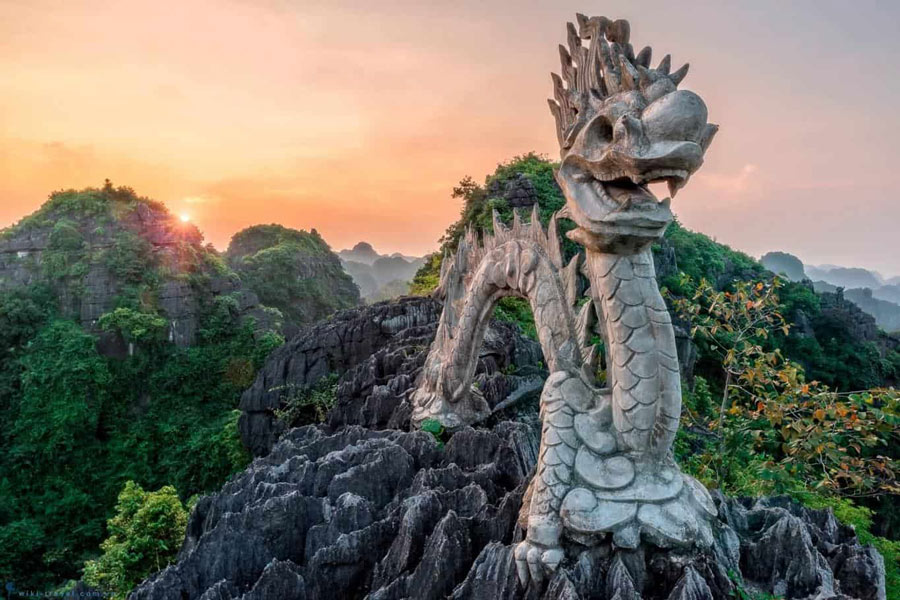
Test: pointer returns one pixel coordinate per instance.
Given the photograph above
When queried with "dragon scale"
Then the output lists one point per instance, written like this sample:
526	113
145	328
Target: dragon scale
633	314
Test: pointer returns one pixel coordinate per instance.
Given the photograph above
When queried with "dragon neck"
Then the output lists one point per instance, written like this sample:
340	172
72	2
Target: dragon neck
642	363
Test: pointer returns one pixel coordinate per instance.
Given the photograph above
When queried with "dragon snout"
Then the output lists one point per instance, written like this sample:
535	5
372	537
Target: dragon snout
678	117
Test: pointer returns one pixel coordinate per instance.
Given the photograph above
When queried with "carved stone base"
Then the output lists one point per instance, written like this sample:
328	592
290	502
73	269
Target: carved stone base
590	488
676	521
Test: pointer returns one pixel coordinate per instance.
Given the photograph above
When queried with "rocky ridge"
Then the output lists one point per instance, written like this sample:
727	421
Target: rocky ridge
293	271
518	191
378	350
360	508
358	513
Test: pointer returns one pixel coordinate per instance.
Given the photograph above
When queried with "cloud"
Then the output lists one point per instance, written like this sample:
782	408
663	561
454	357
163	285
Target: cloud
731	183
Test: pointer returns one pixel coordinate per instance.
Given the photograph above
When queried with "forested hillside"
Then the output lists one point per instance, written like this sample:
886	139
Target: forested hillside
834	342
124	346
293	271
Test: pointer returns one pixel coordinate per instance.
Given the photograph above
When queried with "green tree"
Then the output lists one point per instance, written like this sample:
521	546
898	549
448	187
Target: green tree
47	483
772	422
133	325
64	387
144	537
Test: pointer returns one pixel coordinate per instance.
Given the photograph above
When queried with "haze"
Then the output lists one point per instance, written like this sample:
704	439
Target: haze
357	118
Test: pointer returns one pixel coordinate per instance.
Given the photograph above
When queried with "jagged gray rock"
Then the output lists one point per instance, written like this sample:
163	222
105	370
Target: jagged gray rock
379	351
517	191
389	515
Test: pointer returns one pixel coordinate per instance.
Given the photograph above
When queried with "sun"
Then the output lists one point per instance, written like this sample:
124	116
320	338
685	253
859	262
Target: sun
185	218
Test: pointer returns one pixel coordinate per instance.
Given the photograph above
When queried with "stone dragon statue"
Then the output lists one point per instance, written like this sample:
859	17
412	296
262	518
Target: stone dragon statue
605	464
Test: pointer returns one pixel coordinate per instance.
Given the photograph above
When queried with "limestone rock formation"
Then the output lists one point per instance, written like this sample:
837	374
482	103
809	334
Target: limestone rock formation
518	191
782	263
358	513
293	271
94	247
379	351
362	252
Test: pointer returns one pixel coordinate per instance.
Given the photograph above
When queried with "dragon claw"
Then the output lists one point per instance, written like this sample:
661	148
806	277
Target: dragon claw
534	562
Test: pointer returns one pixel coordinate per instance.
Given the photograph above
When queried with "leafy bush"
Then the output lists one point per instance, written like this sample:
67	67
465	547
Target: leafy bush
304	405
428	277
798	430
437	431
144	537
134	326
518	311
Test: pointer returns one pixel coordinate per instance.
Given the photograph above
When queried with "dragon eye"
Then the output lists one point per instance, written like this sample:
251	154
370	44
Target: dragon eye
599	129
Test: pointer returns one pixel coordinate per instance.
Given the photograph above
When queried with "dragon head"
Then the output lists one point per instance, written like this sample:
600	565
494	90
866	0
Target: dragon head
622	125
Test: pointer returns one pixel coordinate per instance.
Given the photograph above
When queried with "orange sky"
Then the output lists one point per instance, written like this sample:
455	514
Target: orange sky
357	118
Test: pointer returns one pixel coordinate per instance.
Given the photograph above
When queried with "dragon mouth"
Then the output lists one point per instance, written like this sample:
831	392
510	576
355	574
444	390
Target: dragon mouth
631	204
674	178
613	204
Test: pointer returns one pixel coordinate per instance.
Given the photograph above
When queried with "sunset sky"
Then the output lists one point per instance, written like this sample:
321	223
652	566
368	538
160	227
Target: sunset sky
357	118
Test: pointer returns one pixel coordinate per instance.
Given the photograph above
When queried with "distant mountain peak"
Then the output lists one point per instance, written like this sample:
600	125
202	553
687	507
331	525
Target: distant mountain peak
364	247
379	276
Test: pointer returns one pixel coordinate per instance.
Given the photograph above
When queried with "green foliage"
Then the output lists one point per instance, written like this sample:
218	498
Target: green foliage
434	427
478	206
85	424
304	405
23	312
700	257
261	237
134	326
477	211
48	483
518	311
79	425
98	204
795	434
829	353
63	391
66	252
776	432
130	258
144	536
428	277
